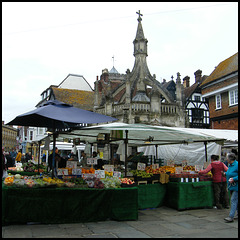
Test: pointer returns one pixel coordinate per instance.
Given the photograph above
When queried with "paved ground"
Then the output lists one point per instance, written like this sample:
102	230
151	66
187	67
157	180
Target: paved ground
160	222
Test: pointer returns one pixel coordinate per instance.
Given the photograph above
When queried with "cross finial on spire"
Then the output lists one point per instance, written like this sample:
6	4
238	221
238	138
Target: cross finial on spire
113	60
139	15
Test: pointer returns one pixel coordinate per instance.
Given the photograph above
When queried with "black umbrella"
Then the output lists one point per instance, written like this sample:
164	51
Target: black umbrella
58	116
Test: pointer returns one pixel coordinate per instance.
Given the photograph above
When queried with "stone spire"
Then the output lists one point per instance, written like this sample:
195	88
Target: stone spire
179	90
140	42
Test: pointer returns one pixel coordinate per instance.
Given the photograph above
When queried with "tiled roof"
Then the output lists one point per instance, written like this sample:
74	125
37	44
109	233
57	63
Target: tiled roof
224	68
190	90
77	98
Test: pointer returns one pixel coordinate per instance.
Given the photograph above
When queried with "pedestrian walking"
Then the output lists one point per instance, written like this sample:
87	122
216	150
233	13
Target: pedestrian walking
9	159
232	181
219	181
13	154
19	156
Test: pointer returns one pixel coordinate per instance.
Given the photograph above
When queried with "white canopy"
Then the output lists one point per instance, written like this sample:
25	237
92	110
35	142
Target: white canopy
140	134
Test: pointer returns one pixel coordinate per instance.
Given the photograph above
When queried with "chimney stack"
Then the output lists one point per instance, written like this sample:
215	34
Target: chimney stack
186	81
198	76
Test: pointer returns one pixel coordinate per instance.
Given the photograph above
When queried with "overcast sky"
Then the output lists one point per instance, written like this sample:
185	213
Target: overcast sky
43	42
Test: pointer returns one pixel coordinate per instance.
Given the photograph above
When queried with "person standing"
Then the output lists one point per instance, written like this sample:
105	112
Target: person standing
4	165
28	156
19	156
13	155
83	159
57	159
44	158
232	181
9	160
219	181
100	162
23	158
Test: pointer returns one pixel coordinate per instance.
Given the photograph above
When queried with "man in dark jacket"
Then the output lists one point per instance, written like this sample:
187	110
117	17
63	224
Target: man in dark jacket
28	156
9	160
57	159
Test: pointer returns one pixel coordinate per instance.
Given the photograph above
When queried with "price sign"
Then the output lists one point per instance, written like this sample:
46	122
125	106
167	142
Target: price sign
170	163
141	166
61	171
71	164
109	168
184	163
100	173
92	161
155	166
178	170
198	168
19	164
76	171
88	175
117	174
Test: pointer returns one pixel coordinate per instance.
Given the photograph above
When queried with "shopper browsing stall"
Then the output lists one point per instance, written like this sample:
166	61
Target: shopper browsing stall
57	159
219	181
100	162
83	160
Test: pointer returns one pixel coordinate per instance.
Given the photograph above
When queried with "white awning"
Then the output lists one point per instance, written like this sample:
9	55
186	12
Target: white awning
139	134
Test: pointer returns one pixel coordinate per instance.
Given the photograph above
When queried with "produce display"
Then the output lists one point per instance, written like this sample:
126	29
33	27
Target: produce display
142	174
187	174
32	167
91	181
29	167
126	182
105	179
163	169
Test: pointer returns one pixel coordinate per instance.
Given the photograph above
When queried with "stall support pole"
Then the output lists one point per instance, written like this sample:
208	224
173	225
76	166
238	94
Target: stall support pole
206	157
53	156
156	146
126	145
39	151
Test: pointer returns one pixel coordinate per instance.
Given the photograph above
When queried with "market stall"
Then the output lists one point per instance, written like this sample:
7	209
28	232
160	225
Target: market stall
104	187
151	195
67	205
188	195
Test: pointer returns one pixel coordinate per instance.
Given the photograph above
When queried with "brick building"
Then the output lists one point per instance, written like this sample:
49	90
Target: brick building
221	89
9	137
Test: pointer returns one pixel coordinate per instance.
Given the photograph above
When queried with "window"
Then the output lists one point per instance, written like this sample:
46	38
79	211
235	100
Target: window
30	135
233	97
197	98
197	116
218	102
41	131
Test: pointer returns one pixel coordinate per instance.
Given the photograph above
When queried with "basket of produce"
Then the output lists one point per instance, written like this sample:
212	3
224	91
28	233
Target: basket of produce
8	181
126	182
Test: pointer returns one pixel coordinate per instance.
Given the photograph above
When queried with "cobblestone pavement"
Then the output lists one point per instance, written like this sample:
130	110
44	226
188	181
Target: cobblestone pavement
160	222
